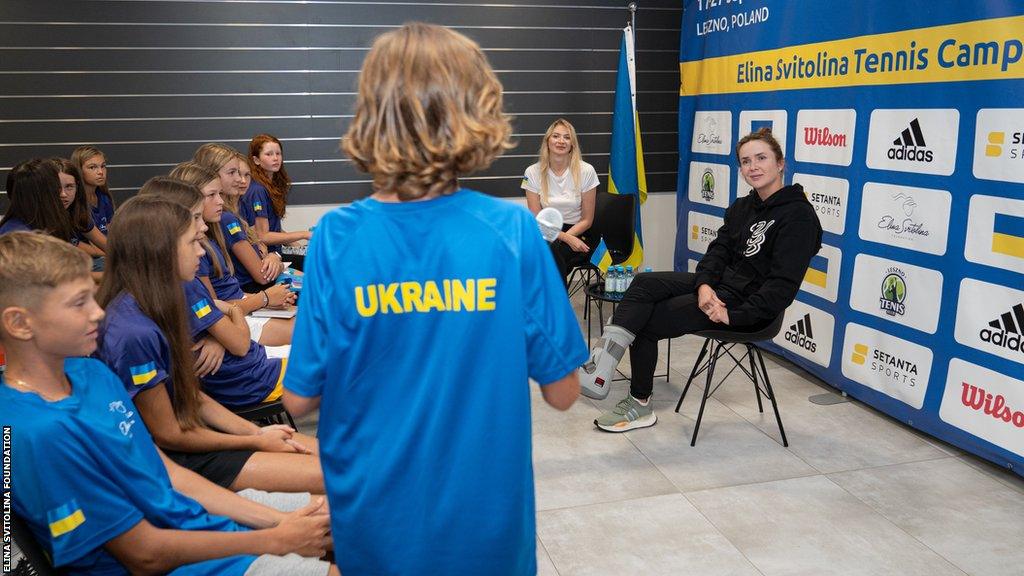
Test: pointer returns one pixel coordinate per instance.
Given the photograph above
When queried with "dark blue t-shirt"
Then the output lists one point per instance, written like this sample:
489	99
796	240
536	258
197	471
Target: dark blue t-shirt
102	212
89	472
241	380
226	285
233	232
14	225
420	325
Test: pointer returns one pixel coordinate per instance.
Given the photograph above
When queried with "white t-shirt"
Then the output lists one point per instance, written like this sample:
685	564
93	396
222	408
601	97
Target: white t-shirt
563	194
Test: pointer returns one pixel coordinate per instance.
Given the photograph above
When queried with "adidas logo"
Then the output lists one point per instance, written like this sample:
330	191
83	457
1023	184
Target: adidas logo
910	145
801	334
1007	331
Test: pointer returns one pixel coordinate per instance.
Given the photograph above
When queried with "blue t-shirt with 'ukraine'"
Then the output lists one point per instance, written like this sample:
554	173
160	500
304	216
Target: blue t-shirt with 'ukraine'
419	326
89	472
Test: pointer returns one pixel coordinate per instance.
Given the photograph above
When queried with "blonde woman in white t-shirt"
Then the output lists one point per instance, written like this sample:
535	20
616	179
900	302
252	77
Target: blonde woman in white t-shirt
562	180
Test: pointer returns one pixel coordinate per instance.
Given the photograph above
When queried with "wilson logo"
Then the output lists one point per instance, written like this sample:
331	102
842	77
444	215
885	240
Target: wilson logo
814	136
995	406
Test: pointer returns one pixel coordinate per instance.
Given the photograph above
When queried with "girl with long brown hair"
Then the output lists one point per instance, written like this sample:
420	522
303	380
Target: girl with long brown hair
88	237
264	203
92	164
154	248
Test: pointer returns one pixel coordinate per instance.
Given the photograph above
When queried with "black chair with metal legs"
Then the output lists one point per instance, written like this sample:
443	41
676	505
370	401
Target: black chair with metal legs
266	413
718	344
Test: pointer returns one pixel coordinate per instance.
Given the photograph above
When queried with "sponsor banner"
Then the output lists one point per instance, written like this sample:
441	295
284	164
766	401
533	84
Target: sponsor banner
703	228
985	403
807	331
912	218
691	265
753	120
990	318
999	144
995	232
825	136
822	276
829	197
712	132
898	292
960	52
890	365
709	184
922	141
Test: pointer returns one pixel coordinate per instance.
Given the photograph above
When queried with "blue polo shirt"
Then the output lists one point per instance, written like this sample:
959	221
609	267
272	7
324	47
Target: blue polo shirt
103	211
233	232
419	327
226	285
134	347
241	381
255	203
88	471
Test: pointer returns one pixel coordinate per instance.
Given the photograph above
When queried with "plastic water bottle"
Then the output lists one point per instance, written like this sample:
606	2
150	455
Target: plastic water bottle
620	285
646	270
629	277
610	282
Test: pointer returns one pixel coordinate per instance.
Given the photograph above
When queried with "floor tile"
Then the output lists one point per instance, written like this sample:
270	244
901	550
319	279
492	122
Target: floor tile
811	526
950	507
663	535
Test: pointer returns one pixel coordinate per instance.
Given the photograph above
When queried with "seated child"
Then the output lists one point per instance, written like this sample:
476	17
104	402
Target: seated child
91	485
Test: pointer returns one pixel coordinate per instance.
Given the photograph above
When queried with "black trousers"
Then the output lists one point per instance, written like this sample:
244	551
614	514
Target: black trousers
566	258
660	305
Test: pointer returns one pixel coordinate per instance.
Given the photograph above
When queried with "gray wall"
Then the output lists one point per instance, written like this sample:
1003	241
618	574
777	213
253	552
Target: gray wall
149	81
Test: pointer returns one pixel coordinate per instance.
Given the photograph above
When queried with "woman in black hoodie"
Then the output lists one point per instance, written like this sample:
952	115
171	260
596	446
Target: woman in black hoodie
750	274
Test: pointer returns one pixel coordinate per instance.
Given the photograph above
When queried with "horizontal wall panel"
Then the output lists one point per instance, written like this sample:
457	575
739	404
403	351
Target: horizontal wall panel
149	81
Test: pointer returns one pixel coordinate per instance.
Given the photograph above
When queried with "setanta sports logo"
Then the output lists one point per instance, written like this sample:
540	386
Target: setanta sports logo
709	184
825	136
893	366
985	403
807	332
990	317
712	132
828	196
703	230
921	141
999	145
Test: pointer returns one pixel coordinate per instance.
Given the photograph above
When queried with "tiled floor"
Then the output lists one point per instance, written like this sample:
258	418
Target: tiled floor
856	493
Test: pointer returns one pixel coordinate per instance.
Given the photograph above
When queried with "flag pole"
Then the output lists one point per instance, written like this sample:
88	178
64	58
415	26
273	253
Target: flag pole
632	19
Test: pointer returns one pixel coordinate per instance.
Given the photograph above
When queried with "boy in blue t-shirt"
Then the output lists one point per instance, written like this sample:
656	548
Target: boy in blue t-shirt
87	478
425	309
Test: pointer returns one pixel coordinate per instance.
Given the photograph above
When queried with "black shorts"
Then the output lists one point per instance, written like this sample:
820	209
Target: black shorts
221	467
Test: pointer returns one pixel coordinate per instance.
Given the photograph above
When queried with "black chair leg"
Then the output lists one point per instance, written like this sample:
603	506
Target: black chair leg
771	396
291	421
707	391
693	373
753	373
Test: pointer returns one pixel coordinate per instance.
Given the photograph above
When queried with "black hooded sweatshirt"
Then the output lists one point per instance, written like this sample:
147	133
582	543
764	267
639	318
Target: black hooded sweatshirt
761	253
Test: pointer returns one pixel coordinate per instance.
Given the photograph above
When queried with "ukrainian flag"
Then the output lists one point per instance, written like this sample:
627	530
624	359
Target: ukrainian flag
143	373
626	165
257	206
1008	235
201	308
817	271
65	518
234	228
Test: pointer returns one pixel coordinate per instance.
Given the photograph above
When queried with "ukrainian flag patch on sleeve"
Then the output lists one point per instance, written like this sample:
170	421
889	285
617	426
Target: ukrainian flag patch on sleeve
201	308
143	373
257	206
65	518
234	228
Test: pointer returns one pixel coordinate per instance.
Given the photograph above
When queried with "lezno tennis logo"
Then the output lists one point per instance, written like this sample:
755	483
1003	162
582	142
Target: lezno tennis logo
757	232
894	292
985	403
913	140
712	132
709	184
808	333
999	144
